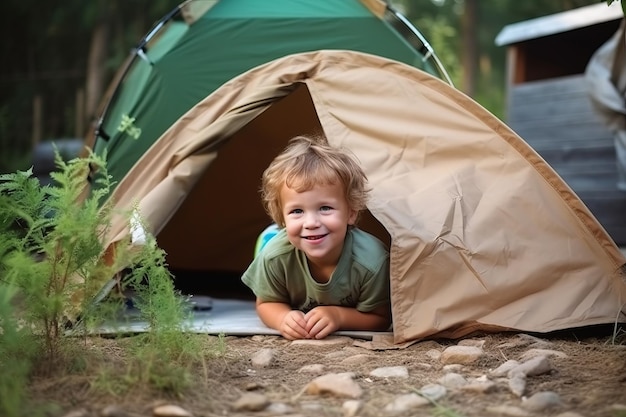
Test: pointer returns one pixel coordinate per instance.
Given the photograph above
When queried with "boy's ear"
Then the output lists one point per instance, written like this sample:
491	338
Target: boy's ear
352	217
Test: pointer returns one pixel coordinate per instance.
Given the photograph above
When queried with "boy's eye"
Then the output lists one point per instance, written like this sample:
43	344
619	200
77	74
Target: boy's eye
325	208
296	211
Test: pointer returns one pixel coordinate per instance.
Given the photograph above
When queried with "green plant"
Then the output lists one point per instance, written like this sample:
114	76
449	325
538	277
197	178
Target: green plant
15	344
163	356
53	246
48	243
52	272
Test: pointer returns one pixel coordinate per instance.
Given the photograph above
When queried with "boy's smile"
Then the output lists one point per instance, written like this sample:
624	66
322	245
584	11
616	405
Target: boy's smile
316	222
313	237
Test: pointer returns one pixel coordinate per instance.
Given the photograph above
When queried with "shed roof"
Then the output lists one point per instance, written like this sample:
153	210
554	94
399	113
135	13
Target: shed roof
558	22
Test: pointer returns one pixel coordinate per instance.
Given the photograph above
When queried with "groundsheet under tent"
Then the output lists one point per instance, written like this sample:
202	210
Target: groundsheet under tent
215	316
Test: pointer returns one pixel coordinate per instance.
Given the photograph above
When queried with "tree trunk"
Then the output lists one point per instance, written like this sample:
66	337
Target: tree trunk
96	71
469	47
37	120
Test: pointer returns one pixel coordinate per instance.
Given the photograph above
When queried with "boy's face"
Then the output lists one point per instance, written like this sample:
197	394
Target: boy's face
316	221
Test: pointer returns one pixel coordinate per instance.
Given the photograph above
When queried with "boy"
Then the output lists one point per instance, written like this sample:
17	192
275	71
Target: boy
320	273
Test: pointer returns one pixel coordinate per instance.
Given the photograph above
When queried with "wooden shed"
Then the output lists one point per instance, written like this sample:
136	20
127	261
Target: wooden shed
549	105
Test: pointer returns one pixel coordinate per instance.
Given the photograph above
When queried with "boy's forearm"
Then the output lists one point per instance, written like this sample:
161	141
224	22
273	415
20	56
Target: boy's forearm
271	313
352	319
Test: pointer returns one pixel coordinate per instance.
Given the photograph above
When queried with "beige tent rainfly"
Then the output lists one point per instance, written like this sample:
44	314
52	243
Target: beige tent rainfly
483	234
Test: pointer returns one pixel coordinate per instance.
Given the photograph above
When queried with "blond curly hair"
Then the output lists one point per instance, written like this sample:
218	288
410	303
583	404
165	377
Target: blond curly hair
307	162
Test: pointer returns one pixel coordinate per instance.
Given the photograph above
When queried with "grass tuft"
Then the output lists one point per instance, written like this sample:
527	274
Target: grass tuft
52	274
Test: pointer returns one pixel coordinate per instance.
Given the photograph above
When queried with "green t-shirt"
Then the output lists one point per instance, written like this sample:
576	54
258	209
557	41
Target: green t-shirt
280	273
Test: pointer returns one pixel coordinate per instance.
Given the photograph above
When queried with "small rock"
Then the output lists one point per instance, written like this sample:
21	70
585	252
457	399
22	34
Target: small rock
316	368
433	354
461	354
433	392
311	406
507	411
517	384
258	338
263	358
472	342
328	341
542	401
277	409
505	368
113	411
391	372
251	401
170	410
351	407
403	403
452	380
536	366
479	387
453	367
340	385
253	386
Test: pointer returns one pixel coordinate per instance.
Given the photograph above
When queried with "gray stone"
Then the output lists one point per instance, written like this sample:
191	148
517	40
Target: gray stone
390	372
263	358
170	410
542	401
403	403
251	401
340	385
461	354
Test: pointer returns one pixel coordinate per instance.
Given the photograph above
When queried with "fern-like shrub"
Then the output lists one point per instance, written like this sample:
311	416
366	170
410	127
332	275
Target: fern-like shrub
52	268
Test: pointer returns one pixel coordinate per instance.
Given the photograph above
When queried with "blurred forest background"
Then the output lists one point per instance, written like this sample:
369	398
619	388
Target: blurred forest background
60	57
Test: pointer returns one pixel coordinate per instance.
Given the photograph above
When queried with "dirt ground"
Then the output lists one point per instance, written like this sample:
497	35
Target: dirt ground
589	377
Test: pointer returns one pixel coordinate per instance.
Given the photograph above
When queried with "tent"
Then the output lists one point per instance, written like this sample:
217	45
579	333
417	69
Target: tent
202	44
483	234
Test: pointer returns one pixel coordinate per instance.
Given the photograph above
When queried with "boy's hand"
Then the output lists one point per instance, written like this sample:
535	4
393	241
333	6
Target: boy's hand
322	321
293	326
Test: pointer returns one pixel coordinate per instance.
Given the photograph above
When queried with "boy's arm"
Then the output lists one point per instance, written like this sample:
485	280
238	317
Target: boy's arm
290	323
324	320
378	319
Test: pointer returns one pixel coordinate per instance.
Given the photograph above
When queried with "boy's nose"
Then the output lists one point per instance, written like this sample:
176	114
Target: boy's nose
311	220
